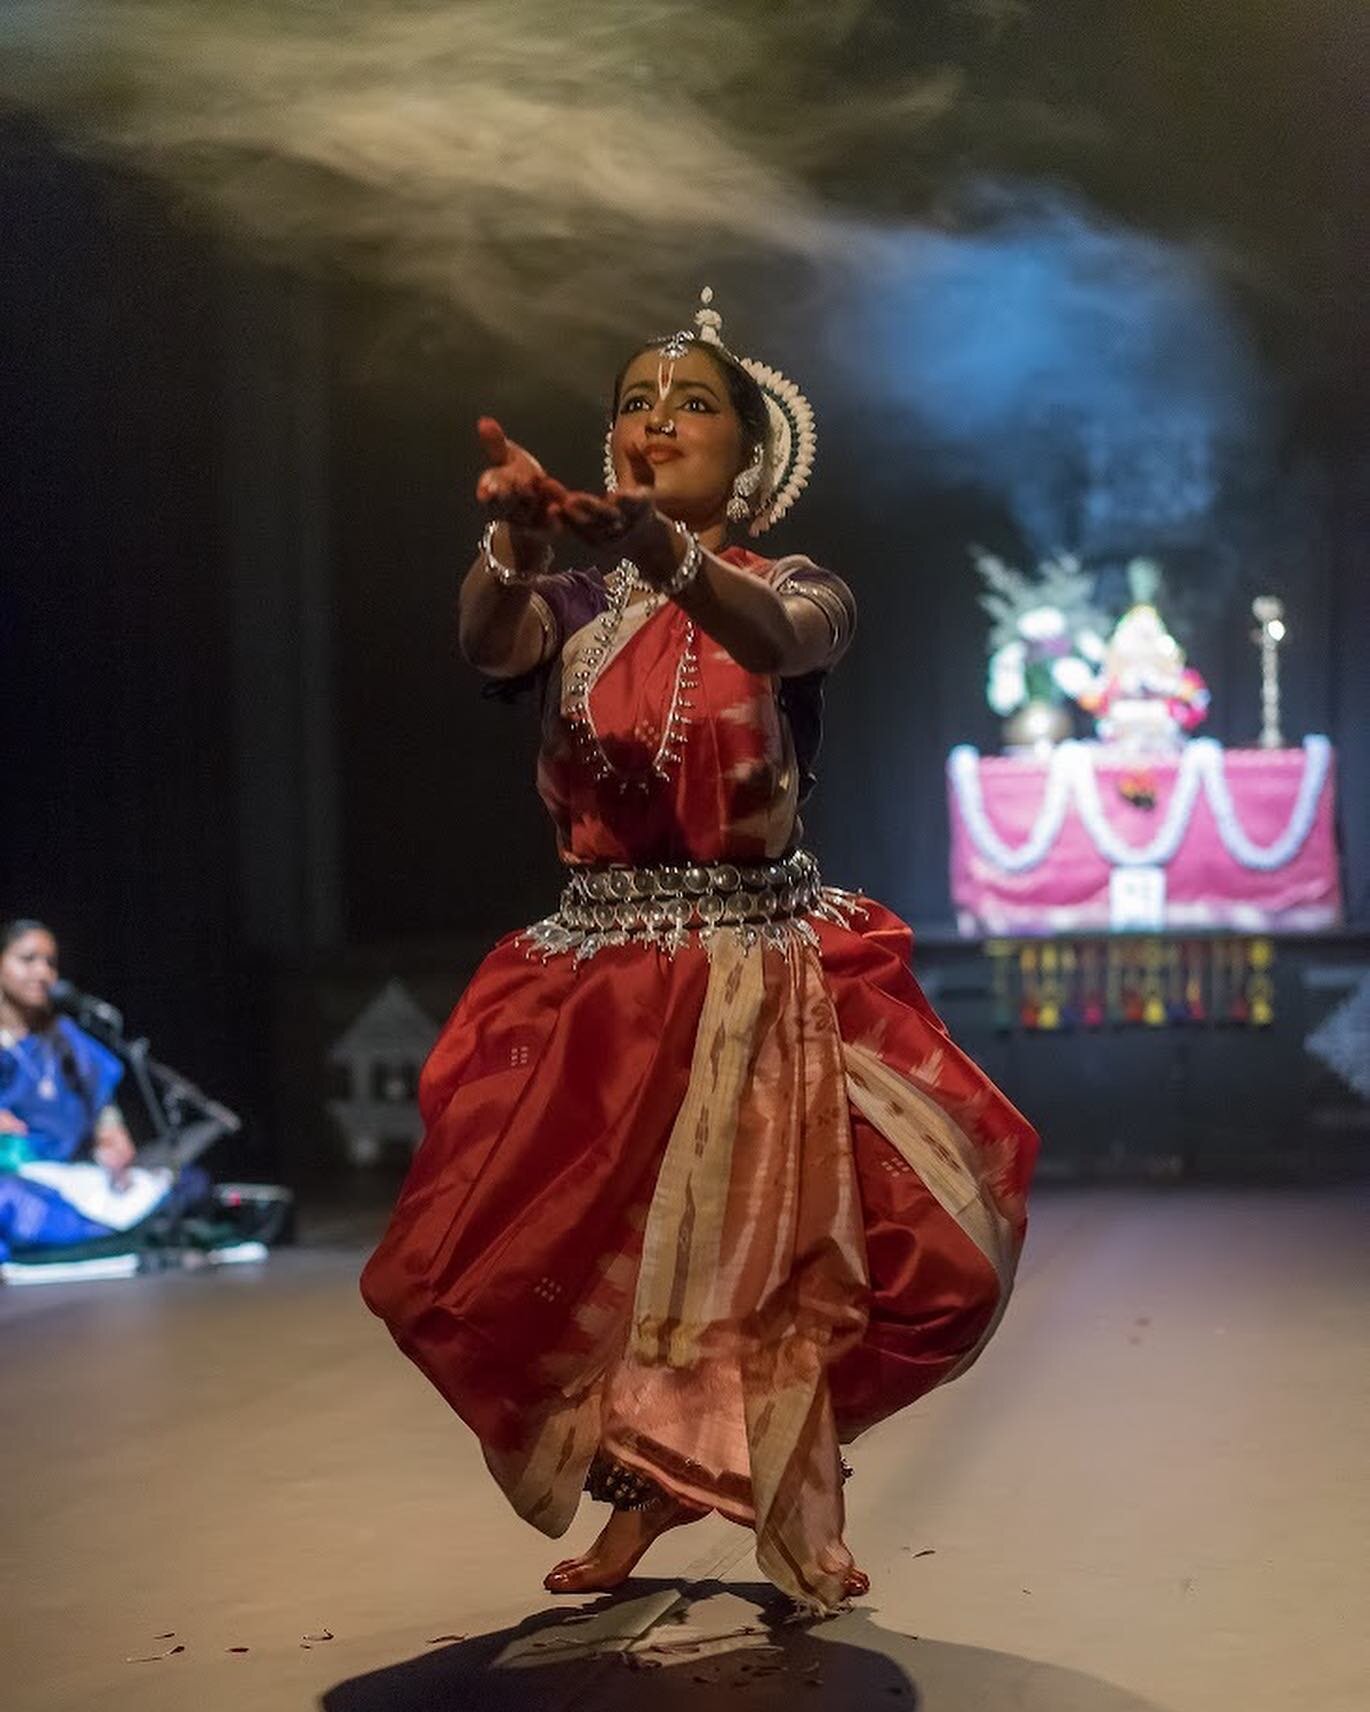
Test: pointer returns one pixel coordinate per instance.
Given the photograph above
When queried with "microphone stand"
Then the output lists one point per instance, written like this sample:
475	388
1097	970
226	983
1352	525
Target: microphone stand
167	1097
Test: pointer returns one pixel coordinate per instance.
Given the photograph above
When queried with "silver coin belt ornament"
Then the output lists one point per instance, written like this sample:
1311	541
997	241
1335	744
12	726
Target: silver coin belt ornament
668	907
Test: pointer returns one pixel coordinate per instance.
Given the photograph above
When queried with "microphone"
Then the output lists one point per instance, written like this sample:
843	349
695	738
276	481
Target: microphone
85	1007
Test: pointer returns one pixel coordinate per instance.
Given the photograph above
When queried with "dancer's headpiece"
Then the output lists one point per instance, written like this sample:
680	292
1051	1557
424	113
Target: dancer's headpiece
767	489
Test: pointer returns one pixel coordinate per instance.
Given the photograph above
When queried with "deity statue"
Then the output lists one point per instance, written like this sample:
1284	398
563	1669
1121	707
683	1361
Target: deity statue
1144	696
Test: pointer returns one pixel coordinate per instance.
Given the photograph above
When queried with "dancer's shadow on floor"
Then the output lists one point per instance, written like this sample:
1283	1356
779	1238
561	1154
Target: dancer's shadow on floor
559	1658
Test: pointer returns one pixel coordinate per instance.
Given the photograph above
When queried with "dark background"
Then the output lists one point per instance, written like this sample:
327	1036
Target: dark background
239	749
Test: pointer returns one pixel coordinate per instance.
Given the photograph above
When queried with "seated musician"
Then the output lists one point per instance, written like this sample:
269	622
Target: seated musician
67	1161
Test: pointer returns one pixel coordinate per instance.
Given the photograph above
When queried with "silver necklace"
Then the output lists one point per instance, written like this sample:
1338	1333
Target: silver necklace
47	1081
621	584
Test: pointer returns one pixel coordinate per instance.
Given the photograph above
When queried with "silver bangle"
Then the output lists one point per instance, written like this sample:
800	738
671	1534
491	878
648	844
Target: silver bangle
509	575
688	568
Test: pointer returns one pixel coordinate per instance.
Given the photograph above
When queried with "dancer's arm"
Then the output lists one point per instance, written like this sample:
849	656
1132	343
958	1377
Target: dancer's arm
503	628
504	631
764	631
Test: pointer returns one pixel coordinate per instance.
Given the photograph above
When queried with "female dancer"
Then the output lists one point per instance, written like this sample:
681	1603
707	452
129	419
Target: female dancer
706	1189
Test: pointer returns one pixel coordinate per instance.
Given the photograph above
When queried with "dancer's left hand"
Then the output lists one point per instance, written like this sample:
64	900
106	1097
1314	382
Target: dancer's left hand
624	524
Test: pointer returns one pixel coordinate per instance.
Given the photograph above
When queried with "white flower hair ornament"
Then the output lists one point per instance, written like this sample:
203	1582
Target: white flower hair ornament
766	492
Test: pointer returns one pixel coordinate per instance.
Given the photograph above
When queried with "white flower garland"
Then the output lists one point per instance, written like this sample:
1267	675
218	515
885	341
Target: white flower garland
1317	764
1071	779
964	768
1164	844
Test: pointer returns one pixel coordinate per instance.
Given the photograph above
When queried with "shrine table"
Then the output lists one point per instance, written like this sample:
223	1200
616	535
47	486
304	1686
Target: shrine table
1092	837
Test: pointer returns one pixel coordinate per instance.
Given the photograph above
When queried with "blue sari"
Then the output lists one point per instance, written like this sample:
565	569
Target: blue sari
57	1082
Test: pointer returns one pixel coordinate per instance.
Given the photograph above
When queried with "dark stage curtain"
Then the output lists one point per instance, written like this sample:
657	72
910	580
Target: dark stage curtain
118	824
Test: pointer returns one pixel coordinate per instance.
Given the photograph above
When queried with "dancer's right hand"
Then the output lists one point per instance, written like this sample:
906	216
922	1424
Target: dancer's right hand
515	488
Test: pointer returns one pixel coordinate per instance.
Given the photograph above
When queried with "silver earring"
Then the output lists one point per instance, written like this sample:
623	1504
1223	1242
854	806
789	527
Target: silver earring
610	475
745	484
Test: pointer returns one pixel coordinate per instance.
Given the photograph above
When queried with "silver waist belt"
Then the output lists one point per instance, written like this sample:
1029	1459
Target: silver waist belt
631	899
662	906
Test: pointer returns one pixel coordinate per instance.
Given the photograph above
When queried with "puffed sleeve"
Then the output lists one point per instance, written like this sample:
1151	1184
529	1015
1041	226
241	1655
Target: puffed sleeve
564	602
797	576
567	600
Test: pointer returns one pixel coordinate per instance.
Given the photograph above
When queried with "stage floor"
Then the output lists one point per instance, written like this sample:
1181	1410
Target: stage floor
1153	1492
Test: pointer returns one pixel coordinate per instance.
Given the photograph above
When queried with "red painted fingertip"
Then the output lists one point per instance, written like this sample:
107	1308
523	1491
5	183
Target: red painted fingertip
492	439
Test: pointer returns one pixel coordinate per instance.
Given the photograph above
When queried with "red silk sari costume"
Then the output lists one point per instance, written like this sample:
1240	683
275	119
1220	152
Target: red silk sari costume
710	1210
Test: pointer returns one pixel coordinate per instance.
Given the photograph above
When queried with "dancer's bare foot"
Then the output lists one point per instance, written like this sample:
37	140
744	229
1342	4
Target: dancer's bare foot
614	1555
